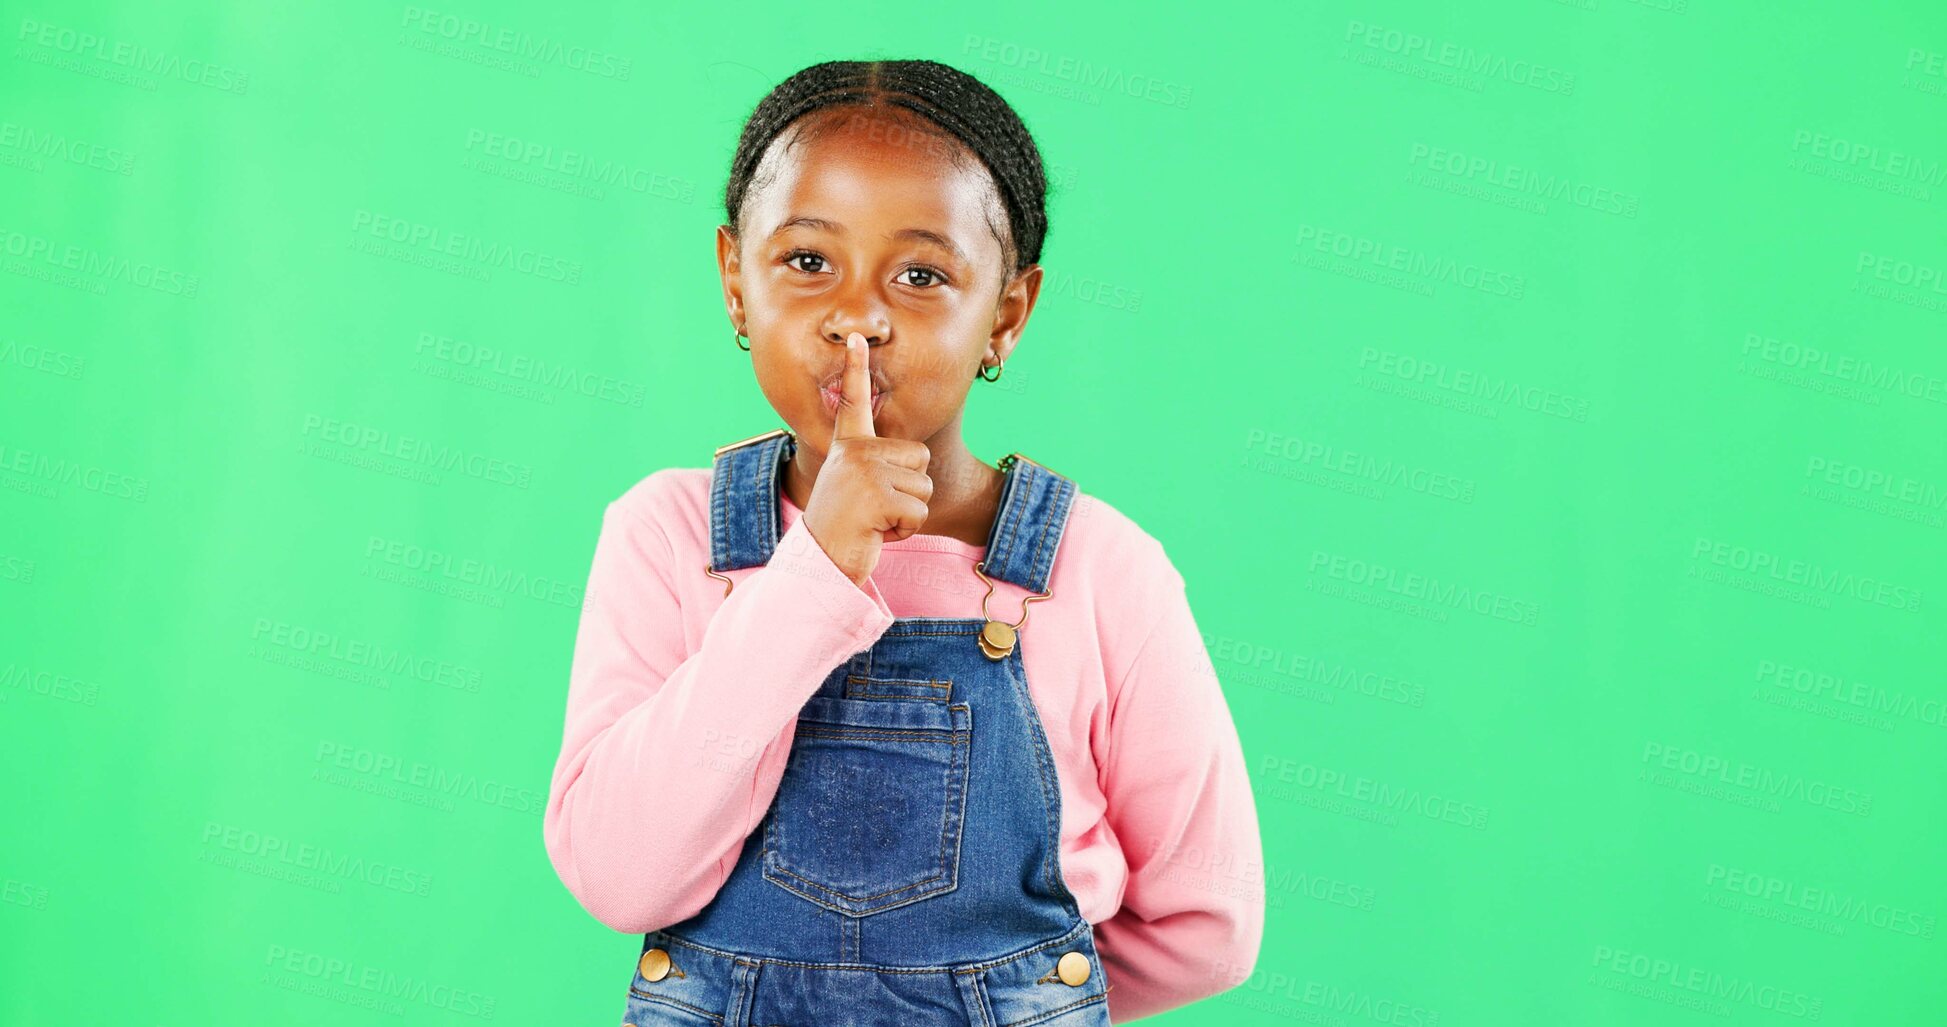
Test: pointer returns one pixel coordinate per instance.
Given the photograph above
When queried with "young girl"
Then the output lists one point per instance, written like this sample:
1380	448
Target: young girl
821	758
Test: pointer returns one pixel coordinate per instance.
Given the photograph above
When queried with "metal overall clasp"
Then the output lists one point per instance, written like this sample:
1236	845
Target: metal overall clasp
997	637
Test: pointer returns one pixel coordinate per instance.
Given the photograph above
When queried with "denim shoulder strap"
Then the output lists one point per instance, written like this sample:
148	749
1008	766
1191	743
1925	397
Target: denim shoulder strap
1033	515
746	519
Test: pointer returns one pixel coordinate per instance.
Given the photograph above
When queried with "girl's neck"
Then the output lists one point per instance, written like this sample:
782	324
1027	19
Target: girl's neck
966	489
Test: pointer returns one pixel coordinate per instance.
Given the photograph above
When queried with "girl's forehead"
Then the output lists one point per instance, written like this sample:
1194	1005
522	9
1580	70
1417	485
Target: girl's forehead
854	176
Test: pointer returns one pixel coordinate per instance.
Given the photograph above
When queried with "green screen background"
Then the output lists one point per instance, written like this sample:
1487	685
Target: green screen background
1544	405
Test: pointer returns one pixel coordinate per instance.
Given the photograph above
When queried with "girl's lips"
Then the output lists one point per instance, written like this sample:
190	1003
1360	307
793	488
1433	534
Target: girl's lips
831	397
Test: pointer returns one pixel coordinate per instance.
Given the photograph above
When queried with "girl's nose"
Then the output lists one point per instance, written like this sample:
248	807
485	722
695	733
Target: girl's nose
857	308
875	329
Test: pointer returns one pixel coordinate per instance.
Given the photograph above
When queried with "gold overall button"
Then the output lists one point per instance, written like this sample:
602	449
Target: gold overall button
1072	969
655	965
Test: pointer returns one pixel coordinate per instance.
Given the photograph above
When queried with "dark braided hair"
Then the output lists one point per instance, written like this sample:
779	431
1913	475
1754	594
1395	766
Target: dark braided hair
957	104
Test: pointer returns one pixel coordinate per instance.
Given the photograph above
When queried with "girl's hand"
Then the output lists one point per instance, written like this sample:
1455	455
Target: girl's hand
870	490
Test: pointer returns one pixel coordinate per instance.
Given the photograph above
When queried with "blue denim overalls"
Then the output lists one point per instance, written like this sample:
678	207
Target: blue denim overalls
907	872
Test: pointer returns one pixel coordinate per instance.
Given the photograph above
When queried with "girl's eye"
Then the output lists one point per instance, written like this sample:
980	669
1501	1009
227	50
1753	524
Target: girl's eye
929	277
797	255
932	277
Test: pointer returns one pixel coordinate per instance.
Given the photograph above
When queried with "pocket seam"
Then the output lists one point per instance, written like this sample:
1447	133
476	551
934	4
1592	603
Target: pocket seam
958	735
918	734
667	1001
943	686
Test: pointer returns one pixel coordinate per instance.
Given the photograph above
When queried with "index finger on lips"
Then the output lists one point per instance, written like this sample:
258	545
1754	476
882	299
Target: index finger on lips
854	418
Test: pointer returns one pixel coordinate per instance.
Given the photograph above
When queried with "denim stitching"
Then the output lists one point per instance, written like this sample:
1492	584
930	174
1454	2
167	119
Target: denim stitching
1056	519
748	992
1023	478
847	910
997	545
943	687
772	455
945	831
951	832
1064	941
719	528
935	683
859	693
910	627
1052	1013
983	1005
1051	789
1036	500
814	729
1067	940
665	1000
812	713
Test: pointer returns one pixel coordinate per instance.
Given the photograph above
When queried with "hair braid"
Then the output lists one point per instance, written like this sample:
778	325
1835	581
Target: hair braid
960	105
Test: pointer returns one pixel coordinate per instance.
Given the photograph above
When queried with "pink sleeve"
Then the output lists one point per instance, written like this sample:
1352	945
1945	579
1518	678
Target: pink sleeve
670	758
1179	799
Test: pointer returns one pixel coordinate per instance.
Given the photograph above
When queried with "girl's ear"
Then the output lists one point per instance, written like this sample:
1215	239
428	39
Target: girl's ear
1011	310
729	268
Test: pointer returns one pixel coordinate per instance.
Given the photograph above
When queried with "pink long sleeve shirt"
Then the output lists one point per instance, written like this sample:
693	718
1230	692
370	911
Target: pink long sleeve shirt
682	707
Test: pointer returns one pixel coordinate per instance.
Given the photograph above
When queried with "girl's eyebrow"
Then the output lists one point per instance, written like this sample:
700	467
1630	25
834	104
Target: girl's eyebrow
922	234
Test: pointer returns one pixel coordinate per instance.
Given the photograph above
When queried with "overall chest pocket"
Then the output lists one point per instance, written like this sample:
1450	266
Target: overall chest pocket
870	811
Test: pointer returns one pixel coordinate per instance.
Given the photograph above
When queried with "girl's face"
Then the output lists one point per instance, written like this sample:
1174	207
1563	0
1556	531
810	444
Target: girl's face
871	226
